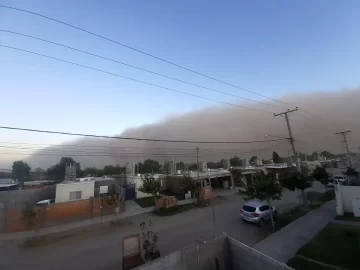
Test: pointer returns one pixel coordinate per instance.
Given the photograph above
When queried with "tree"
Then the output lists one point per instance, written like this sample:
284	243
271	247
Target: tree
111	170
252	160
20	171
235	173
320	174
152	186
57	172
149	166
351	173
265	188
235	161
149	240
189	185
293	180
192	166
276	158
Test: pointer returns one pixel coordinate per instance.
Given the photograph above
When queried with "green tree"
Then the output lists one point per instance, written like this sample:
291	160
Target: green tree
320	174
149	166
192	166
351	173
293	180
235	161
57	172
111	170
276	158
252	160
20	171
265	188
152	186
189	185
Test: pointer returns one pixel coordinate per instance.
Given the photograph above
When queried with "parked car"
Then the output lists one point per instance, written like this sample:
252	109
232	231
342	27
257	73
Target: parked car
337	180
257	212
45	202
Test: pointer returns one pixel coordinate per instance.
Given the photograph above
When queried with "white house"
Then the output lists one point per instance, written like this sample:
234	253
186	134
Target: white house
71	191
138	183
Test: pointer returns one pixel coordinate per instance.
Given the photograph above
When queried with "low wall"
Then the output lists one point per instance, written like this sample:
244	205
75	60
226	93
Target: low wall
224	253
244	257
60	213
344	197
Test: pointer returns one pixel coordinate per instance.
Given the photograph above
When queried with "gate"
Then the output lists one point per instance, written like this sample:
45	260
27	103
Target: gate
130	192
131	251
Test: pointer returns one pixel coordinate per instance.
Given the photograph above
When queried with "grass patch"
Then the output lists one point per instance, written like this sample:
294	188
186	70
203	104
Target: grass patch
348	217
146	202
178	209
299	264
336	245
295	213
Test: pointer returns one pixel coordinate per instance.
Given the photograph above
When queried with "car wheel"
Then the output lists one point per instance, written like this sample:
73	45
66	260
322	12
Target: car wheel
261	222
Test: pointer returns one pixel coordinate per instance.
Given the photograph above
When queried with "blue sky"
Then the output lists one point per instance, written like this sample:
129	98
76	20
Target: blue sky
271	47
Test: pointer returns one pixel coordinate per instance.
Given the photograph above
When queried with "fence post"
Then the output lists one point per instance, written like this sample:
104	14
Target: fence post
91	207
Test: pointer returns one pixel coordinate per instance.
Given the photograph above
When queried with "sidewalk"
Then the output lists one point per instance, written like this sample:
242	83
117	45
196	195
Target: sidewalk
132	209
284	244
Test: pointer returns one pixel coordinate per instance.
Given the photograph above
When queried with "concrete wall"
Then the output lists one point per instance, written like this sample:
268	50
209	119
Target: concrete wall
344	197
17	198
173	261
223	253
63	191
244	257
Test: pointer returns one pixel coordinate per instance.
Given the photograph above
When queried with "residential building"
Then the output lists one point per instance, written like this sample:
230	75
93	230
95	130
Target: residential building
7	184
71	191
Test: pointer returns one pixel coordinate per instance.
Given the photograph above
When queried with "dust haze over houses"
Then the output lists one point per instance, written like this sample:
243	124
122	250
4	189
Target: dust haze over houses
330	112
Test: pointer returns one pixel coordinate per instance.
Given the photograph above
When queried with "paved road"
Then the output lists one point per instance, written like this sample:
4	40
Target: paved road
102	249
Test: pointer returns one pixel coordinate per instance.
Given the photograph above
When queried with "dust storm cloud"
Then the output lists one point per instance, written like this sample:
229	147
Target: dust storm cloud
321	115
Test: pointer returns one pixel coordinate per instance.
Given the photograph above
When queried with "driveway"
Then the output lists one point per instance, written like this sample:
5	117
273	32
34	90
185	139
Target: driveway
102	249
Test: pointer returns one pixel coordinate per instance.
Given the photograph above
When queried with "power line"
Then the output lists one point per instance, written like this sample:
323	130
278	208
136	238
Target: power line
132	138
131	79
138	68
139	51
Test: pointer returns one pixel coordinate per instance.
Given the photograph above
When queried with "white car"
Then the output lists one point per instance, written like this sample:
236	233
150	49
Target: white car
45	202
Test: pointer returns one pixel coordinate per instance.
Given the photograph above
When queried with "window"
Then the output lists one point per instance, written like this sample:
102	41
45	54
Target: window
75	195
248	208
264	208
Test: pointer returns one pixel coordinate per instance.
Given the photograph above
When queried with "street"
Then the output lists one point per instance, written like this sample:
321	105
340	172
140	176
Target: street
102	249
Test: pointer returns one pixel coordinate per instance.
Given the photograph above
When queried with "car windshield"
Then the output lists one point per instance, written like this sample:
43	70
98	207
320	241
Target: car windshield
248	208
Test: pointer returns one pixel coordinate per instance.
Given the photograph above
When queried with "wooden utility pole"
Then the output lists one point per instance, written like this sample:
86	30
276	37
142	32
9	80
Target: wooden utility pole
343	133
197	163
291	140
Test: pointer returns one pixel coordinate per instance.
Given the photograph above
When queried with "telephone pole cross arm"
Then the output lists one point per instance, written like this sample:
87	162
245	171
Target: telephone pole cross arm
343	133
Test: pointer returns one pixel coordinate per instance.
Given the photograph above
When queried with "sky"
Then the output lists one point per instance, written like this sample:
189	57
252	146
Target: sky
274	48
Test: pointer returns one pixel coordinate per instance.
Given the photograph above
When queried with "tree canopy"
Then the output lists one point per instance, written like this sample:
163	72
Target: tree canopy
235	161
252	159
320	174
149	166
150	185
20	171
276	158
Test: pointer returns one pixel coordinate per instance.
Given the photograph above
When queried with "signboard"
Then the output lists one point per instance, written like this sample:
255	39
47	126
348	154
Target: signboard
206	193
104	189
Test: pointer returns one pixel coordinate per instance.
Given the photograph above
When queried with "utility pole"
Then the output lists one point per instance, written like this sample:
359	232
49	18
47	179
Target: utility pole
197	163
291	140
343	133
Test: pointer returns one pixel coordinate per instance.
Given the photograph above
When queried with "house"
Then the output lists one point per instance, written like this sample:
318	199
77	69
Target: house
7	184
84	188
71	191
